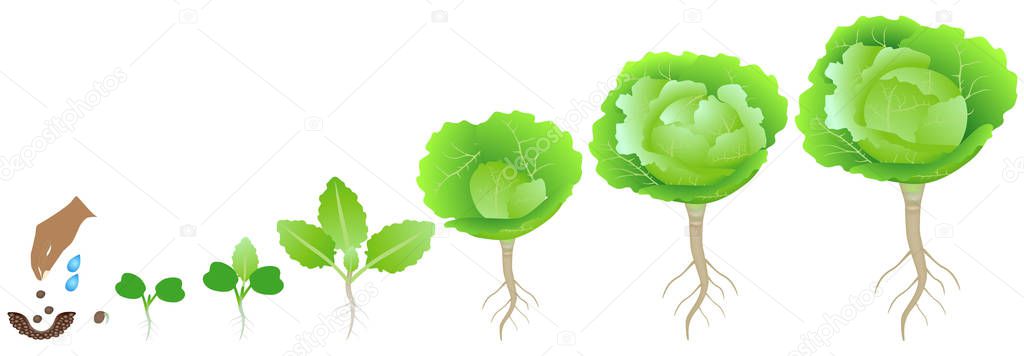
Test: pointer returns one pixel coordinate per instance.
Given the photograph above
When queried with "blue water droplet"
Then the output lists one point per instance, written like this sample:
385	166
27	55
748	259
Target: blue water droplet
75	263
72	283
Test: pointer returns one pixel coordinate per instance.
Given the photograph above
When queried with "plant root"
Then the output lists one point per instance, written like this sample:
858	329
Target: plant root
244	323
513	287
352	308
702	267
912	195
151	328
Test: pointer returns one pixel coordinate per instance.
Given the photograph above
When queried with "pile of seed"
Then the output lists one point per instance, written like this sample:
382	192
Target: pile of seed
60	324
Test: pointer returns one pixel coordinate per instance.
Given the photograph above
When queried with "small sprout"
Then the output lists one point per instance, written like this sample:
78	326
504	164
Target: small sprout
132	287
343	228
245	268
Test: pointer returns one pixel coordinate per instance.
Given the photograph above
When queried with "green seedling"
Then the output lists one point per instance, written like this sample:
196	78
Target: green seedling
690	129
499	180
242	276
343	228
899	102
132	287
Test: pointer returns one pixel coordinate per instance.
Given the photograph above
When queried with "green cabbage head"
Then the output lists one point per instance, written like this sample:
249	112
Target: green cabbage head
897	101
687	128
499	179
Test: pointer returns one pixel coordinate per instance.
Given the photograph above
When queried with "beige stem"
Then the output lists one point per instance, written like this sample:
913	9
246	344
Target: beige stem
351	309
912	196
510	283
695	212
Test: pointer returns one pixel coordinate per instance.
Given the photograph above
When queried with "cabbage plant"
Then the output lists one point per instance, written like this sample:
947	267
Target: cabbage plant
340	236
499	180
896	101
690	129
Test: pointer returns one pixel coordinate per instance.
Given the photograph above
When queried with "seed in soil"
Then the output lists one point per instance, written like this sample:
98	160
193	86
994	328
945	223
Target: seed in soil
61	324
40	294
48	310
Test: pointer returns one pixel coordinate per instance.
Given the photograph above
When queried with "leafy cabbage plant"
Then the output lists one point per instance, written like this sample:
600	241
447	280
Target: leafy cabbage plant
896	101
242	276
499	180
343	228
691	129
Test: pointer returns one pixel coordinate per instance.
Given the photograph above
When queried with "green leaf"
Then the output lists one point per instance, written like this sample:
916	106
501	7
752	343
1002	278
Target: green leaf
538	151
920	174
130	286
169	290
306	244
350	259
244	260
341	216
267	280
398	246
220	277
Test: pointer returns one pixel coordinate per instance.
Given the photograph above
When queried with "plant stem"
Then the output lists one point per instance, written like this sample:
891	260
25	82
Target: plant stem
912	196
510	283
351	305
239	296
146	301
695	214
343	274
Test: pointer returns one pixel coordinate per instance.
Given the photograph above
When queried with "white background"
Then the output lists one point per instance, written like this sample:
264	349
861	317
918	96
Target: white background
210	129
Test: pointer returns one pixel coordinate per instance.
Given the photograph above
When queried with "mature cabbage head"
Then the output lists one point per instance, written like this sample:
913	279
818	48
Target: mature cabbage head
682	135
896	101
687	128
897	109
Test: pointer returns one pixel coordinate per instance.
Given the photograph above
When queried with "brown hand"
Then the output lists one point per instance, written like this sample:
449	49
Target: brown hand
55	234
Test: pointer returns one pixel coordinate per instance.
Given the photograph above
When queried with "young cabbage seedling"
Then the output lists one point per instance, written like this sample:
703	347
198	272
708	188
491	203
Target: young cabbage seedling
242	276
343	228
499	180
690	129
132	287
896	101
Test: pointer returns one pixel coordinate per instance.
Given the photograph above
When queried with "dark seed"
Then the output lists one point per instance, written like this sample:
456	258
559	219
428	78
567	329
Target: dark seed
40	294
99	316
48	310
37	319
